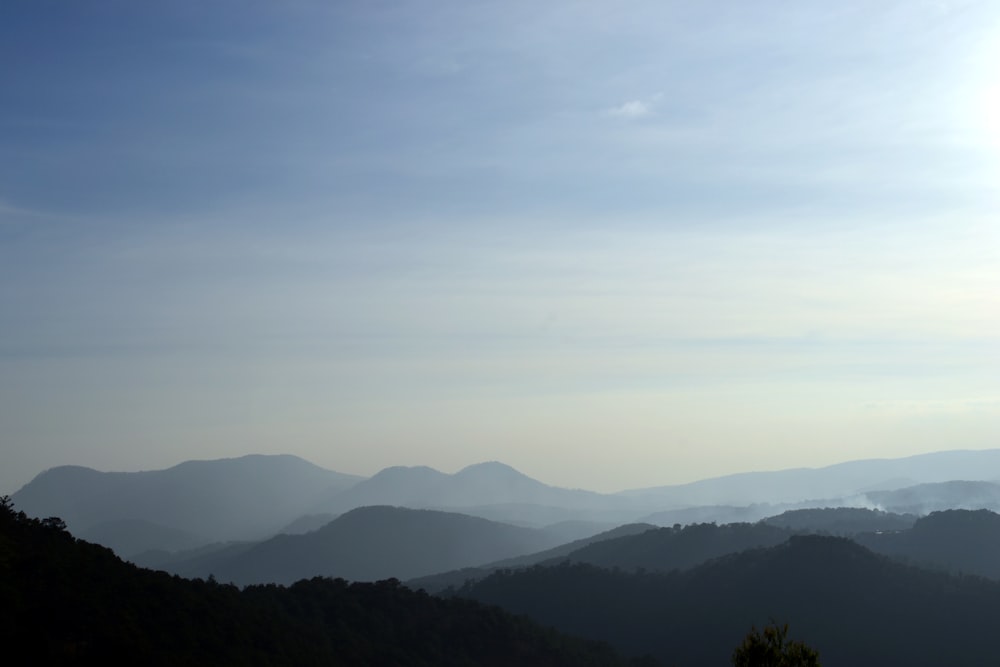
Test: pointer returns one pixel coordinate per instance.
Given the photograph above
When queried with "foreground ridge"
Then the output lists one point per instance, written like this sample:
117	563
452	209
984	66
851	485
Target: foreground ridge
67	601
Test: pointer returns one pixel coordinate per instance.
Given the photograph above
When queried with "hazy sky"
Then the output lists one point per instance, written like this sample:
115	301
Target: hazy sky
613	244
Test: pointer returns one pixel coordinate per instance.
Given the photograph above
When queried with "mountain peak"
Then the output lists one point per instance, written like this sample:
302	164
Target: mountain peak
493	468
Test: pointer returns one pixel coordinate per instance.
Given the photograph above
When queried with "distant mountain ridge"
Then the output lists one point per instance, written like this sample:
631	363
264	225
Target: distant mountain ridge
257	496
249	497
371	543
938	496
483	484
838	481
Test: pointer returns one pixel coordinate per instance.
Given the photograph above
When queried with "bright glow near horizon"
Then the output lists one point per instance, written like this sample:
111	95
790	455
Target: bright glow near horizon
611	245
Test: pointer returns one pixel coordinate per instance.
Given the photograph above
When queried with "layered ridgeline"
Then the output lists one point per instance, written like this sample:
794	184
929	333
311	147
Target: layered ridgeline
961	542
643	547
435	550
190	504
957	541
202	502
68	602
365	544
856	607
442	580
851	480
491	490
75	602
255	497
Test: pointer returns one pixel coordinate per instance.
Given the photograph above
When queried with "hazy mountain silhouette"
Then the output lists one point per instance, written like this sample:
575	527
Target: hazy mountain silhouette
527	514
438	582
494	488
573	530
841	481
192	563
129	537
248	497
856	607
307	523
497	491
255	497
370	543
927	498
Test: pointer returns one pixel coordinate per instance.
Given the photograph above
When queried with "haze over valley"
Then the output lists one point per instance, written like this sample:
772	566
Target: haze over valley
902	530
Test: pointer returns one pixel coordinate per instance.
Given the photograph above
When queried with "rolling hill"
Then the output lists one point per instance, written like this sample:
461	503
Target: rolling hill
856	607
367	544
958	541
255	497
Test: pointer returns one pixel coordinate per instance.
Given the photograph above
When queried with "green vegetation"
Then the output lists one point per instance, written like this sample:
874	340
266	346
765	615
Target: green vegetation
770	647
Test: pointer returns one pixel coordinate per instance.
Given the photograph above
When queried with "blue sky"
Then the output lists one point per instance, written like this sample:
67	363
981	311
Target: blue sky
611	244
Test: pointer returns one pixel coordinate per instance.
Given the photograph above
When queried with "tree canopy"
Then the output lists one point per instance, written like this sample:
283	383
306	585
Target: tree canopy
770	647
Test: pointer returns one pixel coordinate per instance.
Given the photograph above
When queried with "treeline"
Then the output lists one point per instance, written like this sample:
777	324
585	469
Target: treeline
65	601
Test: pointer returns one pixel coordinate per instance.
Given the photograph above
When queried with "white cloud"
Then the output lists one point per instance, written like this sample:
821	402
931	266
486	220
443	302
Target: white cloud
631	109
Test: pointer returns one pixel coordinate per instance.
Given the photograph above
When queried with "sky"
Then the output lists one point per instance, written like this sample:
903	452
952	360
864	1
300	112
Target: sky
612	244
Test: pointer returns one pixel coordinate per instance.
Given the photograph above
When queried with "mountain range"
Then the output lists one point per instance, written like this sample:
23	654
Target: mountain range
195	502
961	542
256	497
367	544
70	602
885	594
842	481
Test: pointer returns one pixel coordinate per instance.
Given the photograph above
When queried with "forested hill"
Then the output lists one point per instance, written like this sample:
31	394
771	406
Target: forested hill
367	544
856	607
678	548
68	602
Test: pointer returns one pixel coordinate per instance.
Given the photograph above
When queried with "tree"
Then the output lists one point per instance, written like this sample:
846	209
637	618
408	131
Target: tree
770	648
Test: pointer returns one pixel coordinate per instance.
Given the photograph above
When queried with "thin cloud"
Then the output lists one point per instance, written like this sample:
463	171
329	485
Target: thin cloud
631	110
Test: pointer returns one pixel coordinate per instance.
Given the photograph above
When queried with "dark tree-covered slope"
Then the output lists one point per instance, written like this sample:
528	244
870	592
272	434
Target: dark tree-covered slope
631	547
843	521
437	582
68	602
684	547
856	607
960	541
